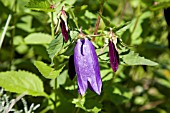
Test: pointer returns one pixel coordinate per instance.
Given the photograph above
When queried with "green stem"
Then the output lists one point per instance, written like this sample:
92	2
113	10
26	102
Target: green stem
74	18
13	33
52	25
77	110
55	81
5	29
55	97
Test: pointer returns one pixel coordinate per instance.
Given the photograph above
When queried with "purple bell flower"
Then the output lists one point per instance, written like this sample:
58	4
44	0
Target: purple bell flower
87	67
114	56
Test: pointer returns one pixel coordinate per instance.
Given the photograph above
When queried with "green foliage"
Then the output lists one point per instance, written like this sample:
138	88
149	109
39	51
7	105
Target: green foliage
38	38
55	46
40	5
160	6
46	70
141	83
22	82
134	59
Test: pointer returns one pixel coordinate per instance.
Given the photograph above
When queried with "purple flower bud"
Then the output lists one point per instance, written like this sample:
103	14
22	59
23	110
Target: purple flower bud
87	67
114	56
63	24
64	30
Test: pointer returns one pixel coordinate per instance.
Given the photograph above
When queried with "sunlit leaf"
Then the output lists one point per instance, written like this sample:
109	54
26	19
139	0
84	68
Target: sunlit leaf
46	70
134	59
74	34
40	5
38	38
22	82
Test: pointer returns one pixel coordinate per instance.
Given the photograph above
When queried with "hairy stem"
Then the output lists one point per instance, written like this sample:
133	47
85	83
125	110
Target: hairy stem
98	19
8	109
55	98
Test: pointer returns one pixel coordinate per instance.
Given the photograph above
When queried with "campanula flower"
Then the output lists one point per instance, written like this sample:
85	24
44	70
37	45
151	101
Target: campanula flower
114	56
87	67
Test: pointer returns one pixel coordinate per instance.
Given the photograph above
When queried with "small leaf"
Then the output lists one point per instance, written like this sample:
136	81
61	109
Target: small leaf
70	50
79	103
22	82
90	15
46	70
40	5
105	20
74	34
38	38
134	59
55	46
122	28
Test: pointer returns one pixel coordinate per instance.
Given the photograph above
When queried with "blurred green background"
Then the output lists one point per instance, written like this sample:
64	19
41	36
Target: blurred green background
133	88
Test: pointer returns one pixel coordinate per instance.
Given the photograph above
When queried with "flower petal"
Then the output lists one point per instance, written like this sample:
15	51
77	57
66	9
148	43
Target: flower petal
79	66
114	56
63	30
94	78
71	67
87	66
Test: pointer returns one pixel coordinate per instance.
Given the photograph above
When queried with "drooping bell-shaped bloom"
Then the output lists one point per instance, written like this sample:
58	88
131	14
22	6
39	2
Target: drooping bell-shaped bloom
87	67
114	56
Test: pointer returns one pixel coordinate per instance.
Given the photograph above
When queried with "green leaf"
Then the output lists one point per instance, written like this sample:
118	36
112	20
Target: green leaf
105	20
61	79
134	59
46	70
122	28
74	34
22	82
40	5
89	105
90	15
38	38
55	46
79	102
70	50
136	27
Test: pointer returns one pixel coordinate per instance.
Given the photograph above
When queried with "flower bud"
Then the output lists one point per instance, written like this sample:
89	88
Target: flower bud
114	56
